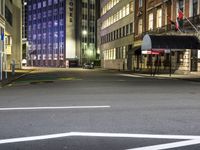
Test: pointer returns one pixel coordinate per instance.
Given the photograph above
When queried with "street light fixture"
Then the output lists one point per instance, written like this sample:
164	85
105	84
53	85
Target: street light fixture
84	32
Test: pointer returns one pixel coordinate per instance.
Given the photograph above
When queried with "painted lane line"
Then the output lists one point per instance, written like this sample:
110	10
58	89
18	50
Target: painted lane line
88	134
34	138
169	145
48	108
127	135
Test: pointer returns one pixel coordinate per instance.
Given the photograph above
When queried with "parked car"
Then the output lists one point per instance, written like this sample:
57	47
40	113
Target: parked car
88	66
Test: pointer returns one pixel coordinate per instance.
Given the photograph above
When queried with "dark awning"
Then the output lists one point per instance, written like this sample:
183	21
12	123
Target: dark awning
170	42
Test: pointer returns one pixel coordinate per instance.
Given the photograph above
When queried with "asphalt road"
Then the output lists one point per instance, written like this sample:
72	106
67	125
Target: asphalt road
76	109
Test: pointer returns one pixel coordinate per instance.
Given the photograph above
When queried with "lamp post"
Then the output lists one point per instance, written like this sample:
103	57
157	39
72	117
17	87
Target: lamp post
85	44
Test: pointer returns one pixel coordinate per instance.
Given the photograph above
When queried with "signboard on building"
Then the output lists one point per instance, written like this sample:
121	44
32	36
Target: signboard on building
71	9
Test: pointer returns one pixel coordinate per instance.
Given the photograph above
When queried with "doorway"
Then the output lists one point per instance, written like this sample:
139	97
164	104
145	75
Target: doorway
194	60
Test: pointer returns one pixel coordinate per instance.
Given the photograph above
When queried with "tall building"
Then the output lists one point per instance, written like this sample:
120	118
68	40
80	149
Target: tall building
88	12
24	29
115	27
120	50
2	34
13	32
61	32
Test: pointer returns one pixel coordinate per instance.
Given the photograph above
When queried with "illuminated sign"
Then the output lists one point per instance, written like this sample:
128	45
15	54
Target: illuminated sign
71	8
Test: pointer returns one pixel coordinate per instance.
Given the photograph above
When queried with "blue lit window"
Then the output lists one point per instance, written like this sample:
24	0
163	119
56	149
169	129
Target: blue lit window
29	18
56	23
29	8
44	25
61	10
61	22
49	13
55	12
39	15
44	14
49	2
44	3
34	16
34	6
55	1
49	24
39	5
34	36
34	26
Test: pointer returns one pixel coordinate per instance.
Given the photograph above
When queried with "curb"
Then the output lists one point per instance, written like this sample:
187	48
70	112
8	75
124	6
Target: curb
3	84
192	79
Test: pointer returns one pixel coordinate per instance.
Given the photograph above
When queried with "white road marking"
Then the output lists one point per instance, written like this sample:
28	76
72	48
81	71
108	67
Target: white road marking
35	138
169	145
191	140
48	108
127	135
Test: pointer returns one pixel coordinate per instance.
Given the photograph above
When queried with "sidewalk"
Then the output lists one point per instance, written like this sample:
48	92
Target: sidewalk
11	78
188	77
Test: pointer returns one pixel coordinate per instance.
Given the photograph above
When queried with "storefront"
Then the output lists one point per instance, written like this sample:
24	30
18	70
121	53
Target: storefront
170	52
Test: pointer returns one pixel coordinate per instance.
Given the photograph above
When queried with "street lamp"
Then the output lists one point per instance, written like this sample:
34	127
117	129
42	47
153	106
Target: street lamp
84	32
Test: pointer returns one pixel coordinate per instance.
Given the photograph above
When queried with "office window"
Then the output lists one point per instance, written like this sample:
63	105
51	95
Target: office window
159	18
150	27
49	2
181	5
140	26
8	16
39	5
44	3
195	7
140	3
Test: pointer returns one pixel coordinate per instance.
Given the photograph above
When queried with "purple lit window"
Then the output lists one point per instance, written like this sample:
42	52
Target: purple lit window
55	12
34	6
29	8
39	5
49	24
34	16
49	2
44	3
44	14
44	25
55	1
56	23
49	13
29	18
39	15
61	22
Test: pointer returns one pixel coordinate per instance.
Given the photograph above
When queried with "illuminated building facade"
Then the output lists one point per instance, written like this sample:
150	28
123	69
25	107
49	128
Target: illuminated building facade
55	32
46	32
115	32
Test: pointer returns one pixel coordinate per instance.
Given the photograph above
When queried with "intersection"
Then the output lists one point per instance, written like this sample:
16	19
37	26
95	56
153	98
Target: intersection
98	109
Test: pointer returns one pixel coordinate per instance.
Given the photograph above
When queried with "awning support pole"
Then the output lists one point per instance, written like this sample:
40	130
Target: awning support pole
151	64
170	65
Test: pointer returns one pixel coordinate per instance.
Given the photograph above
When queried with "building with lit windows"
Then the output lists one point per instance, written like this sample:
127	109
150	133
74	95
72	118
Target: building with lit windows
13	33
61	33
10	35
2	34
86	30
159	18
115	32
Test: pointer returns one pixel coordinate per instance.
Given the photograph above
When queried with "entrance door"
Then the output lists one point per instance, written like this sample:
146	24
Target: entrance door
194	60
